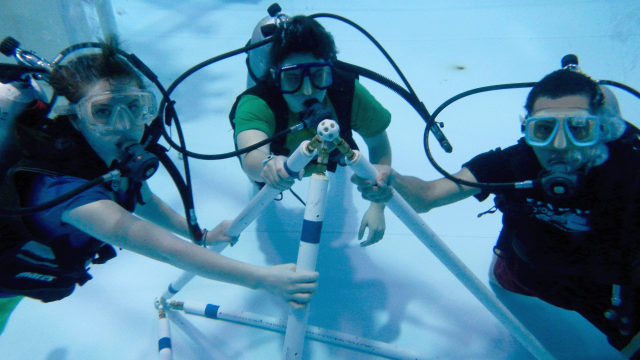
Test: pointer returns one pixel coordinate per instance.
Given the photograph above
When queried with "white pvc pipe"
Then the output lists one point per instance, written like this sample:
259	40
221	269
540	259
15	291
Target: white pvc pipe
430	239
307	257
331	337
177	285
296	162
164	339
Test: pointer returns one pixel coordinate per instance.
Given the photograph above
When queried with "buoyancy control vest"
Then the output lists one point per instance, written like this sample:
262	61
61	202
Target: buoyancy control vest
49	269
340	94
627	150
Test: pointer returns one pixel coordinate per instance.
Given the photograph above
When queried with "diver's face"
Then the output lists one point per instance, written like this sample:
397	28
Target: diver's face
110	140
562	151
307	91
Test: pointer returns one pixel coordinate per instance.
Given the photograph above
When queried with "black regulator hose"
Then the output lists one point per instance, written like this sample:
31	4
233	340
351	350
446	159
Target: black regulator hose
486	186
167	108
185	191
494	186
408	94
624	87
150	139
62	198
373	40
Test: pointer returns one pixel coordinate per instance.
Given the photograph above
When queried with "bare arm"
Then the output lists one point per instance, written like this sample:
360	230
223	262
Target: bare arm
273	172
379	149
158	212
107	221
421	195
373	219
252	161
426	195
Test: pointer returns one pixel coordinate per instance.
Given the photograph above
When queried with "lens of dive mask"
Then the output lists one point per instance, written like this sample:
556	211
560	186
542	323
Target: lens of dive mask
112	110
290	78
580	130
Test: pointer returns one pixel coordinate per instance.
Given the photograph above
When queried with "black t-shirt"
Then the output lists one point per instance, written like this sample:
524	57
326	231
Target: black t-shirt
593	234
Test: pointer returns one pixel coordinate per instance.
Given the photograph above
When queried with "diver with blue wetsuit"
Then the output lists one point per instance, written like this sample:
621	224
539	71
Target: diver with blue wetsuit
44	255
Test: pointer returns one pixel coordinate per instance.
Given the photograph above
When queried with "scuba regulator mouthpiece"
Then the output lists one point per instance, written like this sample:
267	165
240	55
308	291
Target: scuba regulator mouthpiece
557	182
136	163
315	113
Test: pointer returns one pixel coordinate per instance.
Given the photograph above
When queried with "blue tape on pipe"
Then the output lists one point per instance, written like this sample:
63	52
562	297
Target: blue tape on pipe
172	290
211	311
291	172
311	231
164	343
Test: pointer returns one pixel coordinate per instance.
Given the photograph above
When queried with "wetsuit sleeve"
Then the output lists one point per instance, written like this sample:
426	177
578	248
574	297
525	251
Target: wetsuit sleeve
368	117
253	113
45	188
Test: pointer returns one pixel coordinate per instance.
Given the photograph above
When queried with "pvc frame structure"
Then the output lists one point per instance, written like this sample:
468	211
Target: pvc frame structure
297	324
362	168
307	256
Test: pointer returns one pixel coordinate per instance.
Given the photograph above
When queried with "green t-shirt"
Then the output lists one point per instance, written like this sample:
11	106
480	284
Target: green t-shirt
368	117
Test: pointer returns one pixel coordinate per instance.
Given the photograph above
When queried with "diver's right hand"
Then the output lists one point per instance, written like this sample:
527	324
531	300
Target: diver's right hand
275	175
296	288
378	191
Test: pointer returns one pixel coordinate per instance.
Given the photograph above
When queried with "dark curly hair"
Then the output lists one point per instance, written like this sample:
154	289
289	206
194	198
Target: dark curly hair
302	34
73	79
566	82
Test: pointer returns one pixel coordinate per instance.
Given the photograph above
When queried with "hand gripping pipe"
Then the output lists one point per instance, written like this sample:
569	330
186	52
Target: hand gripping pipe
419	228
330	337
295	163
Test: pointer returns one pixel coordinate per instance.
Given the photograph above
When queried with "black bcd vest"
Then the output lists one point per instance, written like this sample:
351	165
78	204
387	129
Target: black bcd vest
48	270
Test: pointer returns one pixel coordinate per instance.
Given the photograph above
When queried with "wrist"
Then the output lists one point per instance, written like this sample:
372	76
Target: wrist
256	282
377	206
265	161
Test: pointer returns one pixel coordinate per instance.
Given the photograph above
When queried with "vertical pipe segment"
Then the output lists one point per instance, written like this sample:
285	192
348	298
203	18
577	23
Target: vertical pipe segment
164	337
307	257
430	239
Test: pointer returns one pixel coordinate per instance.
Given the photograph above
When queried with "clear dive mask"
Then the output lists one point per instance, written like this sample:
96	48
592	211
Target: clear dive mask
290	78
580	130
111	111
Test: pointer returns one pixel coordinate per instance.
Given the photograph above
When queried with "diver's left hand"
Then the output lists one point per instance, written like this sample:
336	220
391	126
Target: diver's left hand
217	234
374	220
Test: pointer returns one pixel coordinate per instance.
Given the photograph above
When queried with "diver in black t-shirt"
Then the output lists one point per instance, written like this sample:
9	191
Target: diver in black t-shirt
573	241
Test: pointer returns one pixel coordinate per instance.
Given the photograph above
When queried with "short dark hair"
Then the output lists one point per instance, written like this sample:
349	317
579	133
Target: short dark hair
566	82
302	34
72	79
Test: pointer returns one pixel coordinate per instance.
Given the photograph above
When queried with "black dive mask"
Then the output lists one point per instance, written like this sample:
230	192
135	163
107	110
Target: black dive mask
136	163
557	182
